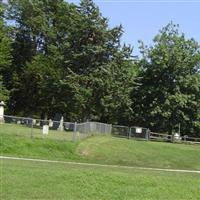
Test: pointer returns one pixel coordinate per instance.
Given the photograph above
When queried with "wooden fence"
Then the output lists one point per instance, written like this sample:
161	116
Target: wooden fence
169	138
160	137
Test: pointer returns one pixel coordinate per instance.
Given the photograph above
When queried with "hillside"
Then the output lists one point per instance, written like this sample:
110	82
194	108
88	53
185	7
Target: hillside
36	180
102	149
119	151
31	179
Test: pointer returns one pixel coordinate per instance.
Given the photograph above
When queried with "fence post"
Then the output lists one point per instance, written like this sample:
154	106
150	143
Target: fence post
129	133
172	139
147	136
74	131
110	129
2	104
32	128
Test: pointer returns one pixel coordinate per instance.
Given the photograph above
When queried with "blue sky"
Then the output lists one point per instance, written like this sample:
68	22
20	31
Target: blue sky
143	19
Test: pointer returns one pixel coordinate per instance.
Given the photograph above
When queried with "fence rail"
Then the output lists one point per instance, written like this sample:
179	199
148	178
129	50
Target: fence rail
120	131
130	132
160	137
61	130
146	134
38	128
86	129
192	140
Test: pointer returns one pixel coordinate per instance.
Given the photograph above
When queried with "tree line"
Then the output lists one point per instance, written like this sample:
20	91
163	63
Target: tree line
58	57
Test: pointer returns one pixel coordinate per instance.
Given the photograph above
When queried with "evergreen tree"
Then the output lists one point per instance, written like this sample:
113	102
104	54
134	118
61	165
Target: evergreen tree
98	55
5	54
74	65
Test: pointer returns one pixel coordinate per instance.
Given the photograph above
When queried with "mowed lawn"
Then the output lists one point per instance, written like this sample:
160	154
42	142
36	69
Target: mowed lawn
35	132
35	180
98	149
39	180
111	150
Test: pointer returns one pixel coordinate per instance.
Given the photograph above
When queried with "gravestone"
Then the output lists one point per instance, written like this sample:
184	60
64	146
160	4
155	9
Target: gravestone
61	127
45	130
56	121
50	123
2	104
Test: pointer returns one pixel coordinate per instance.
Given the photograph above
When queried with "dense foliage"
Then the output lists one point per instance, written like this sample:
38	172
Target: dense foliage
57	57
5	54
169	87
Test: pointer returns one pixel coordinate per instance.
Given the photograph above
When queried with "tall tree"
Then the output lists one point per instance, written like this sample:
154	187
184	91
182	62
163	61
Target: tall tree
169	83
99	56
5	54
75	63
39	28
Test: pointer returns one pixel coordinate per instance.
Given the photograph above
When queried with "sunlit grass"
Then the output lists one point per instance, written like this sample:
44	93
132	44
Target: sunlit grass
33	180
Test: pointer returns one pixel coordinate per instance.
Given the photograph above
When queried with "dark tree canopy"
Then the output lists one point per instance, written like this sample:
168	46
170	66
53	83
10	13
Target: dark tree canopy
5	54
58	57
169	85
68	60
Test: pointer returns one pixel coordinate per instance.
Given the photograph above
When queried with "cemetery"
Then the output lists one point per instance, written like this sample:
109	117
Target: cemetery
99	100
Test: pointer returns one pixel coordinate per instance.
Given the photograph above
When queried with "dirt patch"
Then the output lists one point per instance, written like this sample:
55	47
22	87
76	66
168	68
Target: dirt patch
84	152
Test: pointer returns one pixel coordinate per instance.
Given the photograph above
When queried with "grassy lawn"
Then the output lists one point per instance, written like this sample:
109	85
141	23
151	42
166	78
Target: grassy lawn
119	151
99	149
24	131
34	180
15	145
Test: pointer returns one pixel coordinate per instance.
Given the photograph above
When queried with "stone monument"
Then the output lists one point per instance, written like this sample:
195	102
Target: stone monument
61	126
2	105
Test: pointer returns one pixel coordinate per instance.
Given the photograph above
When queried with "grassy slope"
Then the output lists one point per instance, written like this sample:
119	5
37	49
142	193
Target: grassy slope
32	180
37	148
100	149
140	153
27	132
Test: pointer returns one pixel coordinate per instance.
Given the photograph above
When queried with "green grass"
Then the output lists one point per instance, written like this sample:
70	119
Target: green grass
37	147
119	151
99	149
24	131
36	180
33	180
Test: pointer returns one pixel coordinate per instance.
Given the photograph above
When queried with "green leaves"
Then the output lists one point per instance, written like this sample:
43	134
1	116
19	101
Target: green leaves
5	55
169	87
4	93
67	59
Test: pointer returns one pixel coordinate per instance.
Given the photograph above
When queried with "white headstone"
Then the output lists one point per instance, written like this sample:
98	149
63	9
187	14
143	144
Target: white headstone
2	104
176	136
45	129
61	127
34	122
50	123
